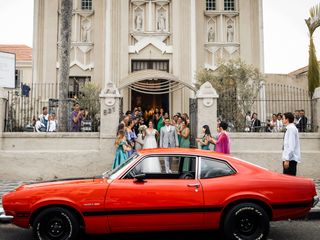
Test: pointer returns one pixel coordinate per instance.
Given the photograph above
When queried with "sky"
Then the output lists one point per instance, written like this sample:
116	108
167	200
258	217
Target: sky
286	38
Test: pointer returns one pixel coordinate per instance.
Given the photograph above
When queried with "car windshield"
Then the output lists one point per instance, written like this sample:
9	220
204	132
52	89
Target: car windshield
112	173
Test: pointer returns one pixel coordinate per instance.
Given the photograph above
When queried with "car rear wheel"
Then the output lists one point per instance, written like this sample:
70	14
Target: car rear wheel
56	223
246	221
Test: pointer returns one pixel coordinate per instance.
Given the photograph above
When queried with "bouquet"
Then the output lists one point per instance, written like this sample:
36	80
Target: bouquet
142	128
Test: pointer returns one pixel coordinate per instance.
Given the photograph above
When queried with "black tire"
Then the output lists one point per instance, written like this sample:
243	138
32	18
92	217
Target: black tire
56	223
246	221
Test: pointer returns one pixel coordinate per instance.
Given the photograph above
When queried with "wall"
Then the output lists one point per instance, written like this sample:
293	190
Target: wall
299	81
30	156
265	149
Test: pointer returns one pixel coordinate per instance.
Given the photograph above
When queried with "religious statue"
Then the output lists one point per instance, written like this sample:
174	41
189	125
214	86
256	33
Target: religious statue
230	33
161	22
139	22
211	35
86	26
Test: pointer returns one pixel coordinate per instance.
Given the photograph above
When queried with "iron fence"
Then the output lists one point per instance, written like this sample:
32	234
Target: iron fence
271	99
25	104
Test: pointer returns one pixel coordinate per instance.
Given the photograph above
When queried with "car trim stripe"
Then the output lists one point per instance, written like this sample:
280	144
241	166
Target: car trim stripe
292	205
153	211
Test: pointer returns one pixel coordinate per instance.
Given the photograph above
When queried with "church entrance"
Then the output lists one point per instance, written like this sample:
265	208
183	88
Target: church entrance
150	101
148	94
151	86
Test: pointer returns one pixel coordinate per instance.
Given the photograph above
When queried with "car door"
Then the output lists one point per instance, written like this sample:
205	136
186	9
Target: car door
162	201
218	182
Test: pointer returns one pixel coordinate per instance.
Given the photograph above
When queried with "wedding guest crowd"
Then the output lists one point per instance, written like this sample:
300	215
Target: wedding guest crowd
275	124
155	128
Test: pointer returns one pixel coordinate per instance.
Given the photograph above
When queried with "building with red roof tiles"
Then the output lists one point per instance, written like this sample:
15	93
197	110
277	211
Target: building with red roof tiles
23	61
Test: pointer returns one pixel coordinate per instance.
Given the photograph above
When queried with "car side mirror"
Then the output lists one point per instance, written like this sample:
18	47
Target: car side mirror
139	178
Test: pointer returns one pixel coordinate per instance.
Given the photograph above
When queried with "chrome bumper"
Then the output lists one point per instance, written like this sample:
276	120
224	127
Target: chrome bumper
4	217
315	201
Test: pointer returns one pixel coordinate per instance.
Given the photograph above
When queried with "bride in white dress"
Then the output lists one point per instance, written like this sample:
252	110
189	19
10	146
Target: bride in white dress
151	165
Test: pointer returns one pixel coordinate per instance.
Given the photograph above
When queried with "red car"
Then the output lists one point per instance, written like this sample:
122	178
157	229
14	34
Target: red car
164	189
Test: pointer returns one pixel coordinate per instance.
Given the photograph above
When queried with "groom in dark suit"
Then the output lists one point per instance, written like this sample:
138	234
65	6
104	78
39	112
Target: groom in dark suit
168	139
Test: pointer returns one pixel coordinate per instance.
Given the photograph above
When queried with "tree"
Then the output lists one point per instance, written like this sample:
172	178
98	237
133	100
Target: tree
64	61
89	98
313	22
238	85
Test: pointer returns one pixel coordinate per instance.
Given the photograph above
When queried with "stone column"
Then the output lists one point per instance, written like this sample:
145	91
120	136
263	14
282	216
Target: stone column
316	110
110	108
207	107
108	43
3	98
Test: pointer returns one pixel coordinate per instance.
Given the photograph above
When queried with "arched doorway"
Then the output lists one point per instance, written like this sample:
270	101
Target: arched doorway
152	99
152	88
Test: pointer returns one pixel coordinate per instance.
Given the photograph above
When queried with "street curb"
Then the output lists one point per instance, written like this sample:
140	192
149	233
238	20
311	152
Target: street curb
314	214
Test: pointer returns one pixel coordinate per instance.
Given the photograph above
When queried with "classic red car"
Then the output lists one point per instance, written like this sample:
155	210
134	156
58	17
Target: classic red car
199	190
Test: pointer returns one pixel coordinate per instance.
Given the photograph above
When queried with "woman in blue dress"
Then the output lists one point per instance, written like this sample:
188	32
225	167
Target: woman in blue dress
122	148
204	143
131	137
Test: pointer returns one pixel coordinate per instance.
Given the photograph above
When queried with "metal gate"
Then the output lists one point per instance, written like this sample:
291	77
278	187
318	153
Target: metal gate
120	109
193	111
276	98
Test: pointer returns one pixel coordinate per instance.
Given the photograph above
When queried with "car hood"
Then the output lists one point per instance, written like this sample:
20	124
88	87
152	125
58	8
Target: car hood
57	182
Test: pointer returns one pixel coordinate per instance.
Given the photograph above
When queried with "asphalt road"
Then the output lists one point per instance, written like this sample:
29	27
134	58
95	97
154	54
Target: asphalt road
288	230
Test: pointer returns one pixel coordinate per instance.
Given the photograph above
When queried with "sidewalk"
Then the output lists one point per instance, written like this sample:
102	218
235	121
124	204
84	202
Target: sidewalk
7	186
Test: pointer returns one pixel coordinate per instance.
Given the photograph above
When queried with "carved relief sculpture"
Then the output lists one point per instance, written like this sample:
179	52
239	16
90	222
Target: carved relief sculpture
211	35
230	33
138	22
161	24
86	29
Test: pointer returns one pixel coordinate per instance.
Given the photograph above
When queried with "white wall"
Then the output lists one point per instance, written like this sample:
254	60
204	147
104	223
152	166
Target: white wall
31	156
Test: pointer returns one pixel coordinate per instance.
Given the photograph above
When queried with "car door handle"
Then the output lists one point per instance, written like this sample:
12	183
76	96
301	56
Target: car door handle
196	185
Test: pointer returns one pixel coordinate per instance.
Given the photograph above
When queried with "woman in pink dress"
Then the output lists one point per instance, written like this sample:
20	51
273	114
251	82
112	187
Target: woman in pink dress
223	141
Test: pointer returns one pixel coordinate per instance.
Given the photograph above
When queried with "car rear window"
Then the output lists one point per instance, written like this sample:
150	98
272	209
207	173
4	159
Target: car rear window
212	168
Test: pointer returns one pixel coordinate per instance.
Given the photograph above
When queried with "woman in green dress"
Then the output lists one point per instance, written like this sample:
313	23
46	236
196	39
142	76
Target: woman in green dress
122	149
204	143
184	134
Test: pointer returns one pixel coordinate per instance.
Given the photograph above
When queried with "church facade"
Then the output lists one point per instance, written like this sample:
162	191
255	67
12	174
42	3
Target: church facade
150	49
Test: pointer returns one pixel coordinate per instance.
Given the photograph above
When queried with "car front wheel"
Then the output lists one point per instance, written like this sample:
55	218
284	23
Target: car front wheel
56	223
246	221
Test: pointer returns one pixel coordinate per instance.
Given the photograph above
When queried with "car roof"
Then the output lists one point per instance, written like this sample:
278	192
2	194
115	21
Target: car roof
191	151
235	162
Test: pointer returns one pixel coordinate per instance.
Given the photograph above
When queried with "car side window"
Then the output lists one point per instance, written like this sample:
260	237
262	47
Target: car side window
165	167
212	168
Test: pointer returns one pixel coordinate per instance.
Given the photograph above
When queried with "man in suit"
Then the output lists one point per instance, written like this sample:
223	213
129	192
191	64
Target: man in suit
168	139
255	123
302	122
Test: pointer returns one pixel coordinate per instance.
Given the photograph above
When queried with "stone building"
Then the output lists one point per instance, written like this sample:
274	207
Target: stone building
150	49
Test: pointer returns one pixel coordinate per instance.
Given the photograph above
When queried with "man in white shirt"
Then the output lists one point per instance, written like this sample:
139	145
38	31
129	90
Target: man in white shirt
291	146
44	117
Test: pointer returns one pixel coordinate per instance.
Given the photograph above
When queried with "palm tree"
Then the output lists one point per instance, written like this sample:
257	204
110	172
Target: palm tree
64	61
313	22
